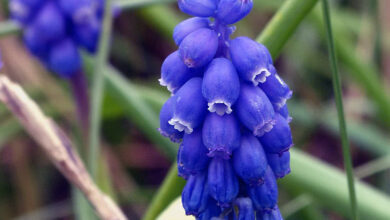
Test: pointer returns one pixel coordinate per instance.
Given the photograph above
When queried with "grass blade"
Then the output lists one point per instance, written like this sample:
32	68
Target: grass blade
372	167
284	23
98	89
340	110
171	187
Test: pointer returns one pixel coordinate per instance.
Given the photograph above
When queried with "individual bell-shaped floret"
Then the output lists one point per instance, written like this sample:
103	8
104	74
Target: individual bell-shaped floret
190	106
276	89
279	138
24	10
222	181
195	194
280	164
221	134
251	59
231	11
174	73
166	113
80	11
249	160
221	86
188	26
265	196
35	43
64	58
255	110
192	156
270	214
200	8
283	111
50	22
87	36
198	48
244	210
212	211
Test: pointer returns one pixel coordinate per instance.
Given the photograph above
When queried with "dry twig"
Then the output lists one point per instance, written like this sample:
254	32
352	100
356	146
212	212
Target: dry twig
57	146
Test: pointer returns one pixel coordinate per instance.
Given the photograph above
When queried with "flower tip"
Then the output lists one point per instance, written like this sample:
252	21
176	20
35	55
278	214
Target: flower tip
220	107
281	175
263	128
219	152
173	137
181	125
260	76
168	85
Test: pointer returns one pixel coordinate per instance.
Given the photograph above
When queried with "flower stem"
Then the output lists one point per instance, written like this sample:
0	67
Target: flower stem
340	110
80	93
98	90
170	188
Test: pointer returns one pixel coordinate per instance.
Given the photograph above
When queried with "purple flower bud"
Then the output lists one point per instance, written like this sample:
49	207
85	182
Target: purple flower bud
255	110
198	48
276	89
279	139
192	155
211	212
223	183
166	114
24	10
249	160
251	59
244	209
283	111
280	164
64	58
221	135
265	196
35	43
87	36
188	26
190	106
200	8
231	11
174	73
221	86
195	194
270	214
49	22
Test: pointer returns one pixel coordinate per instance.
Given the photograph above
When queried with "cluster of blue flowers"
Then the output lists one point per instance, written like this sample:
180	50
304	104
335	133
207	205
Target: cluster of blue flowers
54	29
228	110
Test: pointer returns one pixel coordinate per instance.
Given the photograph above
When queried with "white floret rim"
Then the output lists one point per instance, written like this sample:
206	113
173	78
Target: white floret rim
181	125
260	76
220	107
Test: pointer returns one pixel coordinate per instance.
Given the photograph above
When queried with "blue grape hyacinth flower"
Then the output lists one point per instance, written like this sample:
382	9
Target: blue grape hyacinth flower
228	106
55	30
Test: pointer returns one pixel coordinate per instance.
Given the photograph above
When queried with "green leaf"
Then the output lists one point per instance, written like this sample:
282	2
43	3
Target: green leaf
340	109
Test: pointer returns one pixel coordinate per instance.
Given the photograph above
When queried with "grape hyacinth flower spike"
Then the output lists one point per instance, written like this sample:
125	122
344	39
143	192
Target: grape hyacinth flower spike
54	31
228	106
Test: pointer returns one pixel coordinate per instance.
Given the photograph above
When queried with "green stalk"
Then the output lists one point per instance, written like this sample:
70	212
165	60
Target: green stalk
171	187
9	27
284	23
98	90
340	110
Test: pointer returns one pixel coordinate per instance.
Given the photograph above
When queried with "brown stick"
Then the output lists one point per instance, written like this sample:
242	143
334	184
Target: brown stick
57	146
